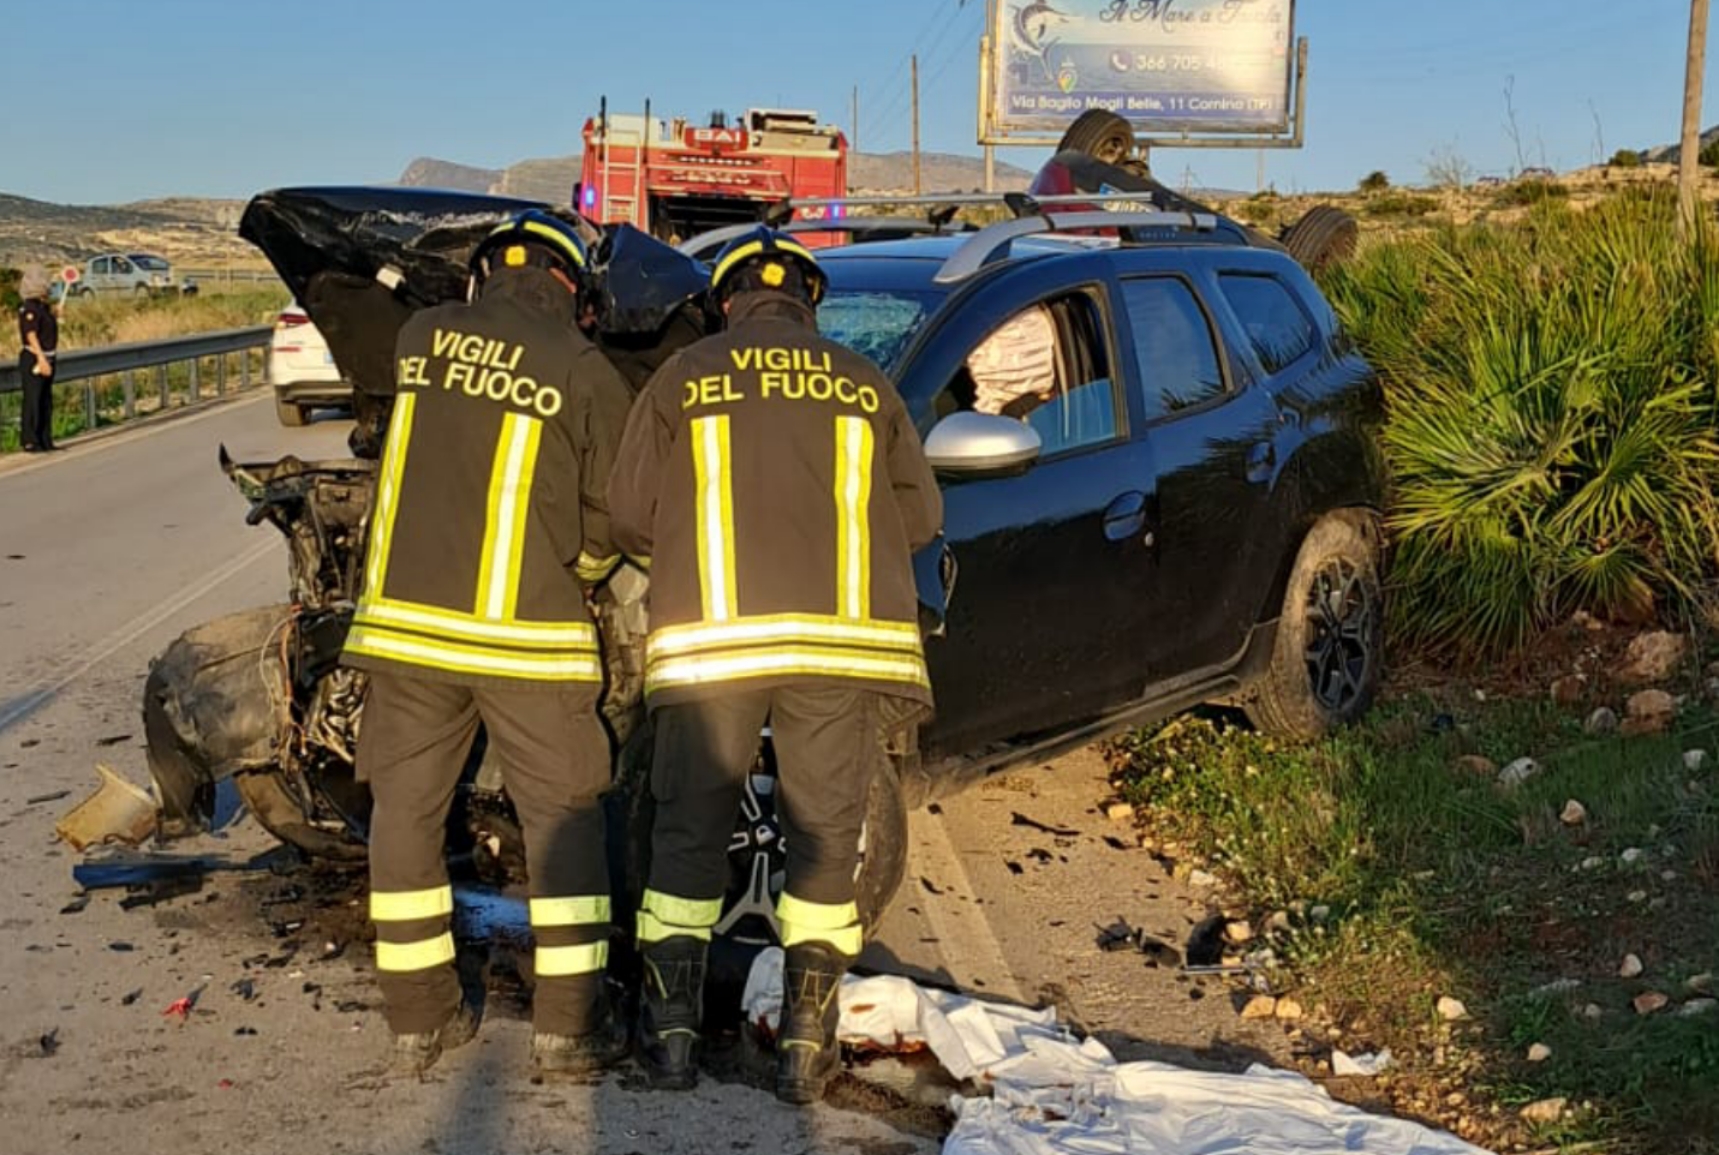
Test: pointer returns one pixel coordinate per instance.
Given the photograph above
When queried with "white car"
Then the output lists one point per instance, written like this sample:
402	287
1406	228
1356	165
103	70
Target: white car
139	274
302	369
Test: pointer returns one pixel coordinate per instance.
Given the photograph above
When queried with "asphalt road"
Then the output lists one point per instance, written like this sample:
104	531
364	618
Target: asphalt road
107	552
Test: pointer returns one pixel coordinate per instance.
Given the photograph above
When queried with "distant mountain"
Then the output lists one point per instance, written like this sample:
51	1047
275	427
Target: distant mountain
1667	153
552	178
428	172
180	228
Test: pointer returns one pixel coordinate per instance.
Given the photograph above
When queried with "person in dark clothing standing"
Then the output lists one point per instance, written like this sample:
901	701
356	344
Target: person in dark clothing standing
489	521
779	490
39	336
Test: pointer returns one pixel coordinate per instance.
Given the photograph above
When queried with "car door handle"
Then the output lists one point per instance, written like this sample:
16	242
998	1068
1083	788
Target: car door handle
1125	517
1261	461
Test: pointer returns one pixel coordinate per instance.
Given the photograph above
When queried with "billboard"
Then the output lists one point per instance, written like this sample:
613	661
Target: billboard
1169	66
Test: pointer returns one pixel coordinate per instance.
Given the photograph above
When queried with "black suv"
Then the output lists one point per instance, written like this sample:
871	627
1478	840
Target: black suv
1181	509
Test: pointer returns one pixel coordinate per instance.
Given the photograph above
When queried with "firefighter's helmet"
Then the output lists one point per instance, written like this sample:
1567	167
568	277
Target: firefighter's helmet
766	259
531	238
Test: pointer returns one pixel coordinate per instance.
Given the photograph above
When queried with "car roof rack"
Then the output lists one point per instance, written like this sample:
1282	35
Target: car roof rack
938	222
992	243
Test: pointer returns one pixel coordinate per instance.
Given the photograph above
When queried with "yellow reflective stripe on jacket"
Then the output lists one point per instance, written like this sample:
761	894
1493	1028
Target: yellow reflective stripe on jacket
388	490
509	503
815	629
710	462
404	957
853	517
837	924
386	612
785	660
584	910
411	905
653	929
554	962
435	654
595	569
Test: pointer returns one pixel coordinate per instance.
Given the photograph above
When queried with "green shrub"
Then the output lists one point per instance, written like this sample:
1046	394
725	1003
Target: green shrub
1625	158
1551	413
1400	204
1709	154
1375	182
9	298
1532	191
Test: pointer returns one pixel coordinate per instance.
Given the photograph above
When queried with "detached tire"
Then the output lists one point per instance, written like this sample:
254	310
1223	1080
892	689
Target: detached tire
1325	236
278	812
1329	656
290	415
1100	134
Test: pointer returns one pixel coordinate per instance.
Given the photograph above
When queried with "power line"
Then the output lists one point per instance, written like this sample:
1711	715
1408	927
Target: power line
897	102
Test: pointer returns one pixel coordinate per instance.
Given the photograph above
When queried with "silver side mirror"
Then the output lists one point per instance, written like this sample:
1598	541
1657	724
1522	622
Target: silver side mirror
981	443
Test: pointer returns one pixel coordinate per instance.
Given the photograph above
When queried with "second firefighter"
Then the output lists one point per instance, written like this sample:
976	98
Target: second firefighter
777	487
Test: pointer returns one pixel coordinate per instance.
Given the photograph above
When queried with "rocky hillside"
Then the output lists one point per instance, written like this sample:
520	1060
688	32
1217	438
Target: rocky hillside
188	230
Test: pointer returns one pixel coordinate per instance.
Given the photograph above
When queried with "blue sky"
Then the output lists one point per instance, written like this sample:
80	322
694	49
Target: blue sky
118	100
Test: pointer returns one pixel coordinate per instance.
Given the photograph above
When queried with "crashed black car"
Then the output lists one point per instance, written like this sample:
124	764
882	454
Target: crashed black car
1183	511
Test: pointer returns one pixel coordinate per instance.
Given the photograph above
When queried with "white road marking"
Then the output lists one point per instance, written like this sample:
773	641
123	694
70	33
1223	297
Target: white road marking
131	631
966	942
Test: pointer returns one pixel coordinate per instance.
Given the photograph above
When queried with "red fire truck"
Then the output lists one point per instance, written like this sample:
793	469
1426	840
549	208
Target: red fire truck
676	179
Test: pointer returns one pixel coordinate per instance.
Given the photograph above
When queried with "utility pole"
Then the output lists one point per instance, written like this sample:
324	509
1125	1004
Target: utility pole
916	184
1689	158
853	145
990	168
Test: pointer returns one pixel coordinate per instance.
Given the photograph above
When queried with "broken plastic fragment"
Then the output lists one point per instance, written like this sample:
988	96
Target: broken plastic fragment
118	810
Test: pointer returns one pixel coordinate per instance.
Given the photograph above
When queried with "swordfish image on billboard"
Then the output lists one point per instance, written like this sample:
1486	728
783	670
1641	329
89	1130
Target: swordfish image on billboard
1168	66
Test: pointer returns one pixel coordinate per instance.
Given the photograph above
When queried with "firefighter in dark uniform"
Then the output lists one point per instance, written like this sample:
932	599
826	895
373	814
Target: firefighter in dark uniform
38	339
778	489
490	519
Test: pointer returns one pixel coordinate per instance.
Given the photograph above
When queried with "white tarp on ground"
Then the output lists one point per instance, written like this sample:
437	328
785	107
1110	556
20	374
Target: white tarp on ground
1056	1095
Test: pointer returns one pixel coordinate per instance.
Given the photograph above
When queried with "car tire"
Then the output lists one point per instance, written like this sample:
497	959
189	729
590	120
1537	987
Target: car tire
1100	134
631	812
290	414
1323	237
1328	657
272	804
141	291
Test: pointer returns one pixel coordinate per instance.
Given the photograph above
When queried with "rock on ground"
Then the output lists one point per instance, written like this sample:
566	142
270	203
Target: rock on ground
1653	657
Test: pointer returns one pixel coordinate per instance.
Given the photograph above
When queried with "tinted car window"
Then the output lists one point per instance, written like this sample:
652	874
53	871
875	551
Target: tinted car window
1179	366
1275	324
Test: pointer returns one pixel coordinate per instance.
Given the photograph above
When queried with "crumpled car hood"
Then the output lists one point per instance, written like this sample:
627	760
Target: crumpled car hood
360	260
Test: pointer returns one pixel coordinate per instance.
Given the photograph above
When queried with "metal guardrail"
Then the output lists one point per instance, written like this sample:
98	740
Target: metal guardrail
227	276
127	362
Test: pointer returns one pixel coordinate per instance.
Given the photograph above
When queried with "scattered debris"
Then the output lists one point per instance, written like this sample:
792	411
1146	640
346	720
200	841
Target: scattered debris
121	947
1119	811
39	799
1018	819
1649	712
1238	932
1602	721
1544	1111
352	1007
1575	814
1015	867
76	905
47	1043
1260	1007
1653	657
164	890
138	870
1554	988
1630	967
1206	943
245	989
130	997
1366	1066
930	887
245	1032
114	740
117	811
181	1007
1451	1010
1118	936
1539	1053
1518	772
1648	1002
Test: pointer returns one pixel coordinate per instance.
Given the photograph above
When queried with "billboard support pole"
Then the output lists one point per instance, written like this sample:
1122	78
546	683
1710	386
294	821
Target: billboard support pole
916	189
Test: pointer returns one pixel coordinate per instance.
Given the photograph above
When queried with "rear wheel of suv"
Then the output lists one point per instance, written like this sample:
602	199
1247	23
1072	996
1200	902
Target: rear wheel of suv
1329	655
290	414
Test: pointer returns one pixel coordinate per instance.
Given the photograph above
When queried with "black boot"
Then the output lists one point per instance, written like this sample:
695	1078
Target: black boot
671	1010
807	1054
